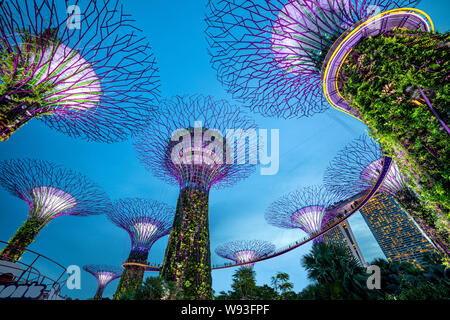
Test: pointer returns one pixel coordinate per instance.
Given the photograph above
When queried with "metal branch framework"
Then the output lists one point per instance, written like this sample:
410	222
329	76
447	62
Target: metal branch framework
146	221
245	251
50	191
200	123
79	66
305	209
198	143
104	275
356	167
269	53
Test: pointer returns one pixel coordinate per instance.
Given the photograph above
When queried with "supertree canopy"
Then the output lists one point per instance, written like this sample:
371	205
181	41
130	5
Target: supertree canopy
104	275
50	191
305	209
146	221
376	60
79	66
245	251
354	170
269	53
186	146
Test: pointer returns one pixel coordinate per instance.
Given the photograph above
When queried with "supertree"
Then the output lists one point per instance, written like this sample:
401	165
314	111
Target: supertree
245	251
50	191
104	275
355	169
372	59
305	209
146	221
79	66
186	147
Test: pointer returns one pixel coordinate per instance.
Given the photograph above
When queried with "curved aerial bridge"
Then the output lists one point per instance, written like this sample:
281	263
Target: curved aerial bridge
387	161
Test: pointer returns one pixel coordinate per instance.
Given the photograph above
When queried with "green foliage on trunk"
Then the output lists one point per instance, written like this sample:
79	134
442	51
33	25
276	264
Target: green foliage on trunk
188	259
24	236
381	79
133	275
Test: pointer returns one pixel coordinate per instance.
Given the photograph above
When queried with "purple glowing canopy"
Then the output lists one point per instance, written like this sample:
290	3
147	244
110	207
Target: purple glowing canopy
79	66
187	143
269	53
305	209
52	191
146	221
356	167
245	250
103	273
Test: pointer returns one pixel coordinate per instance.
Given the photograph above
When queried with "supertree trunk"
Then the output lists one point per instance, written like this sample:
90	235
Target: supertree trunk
24	236
397	82
14	115
99	293
188	259
133	275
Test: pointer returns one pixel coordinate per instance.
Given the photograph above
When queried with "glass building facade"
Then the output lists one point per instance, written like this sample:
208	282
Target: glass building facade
399	237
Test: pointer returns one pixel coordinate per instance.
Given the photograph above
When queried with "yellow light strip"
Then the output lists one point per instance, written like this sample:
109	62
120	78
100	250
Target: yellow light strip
401	10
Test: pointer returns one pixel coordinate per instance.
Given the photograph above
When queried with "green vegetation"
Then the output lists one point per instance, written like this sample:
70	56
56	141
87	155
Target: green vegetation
155	288
337	276
244	287
132	275
187	260
24	236
382	79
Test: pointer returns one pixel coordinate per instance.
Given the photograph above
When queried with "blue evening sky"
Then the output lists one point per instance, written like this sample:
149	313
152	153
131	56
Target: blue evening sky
176	31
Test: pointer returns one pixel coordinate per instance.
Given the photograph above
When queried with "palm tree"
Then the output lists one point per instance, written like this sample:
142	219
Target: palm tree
331	267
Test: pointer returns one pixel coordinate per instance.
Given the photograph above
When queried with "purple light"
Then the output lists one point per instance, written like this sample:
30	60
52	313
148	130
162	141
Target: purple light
146	221
245	250
269	53
303	209
356	167
394	182
52	191
187	144
50	202
98	82
310	219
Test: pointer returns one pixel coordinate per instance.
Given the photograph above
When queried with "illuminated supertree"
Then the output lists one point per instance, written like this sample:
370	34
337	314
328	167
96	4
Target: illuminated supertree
50	191
305	209
146	221
354	171
186	147
377	60
79	66
245	251
104	275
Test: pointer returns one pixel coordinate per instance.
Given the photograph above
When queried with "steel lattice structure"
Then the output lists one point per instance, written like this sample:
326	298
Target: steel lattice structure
198	162
104	275
305	209
356	167
79	66
50	191
269	53
245	251
146	221
192	144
